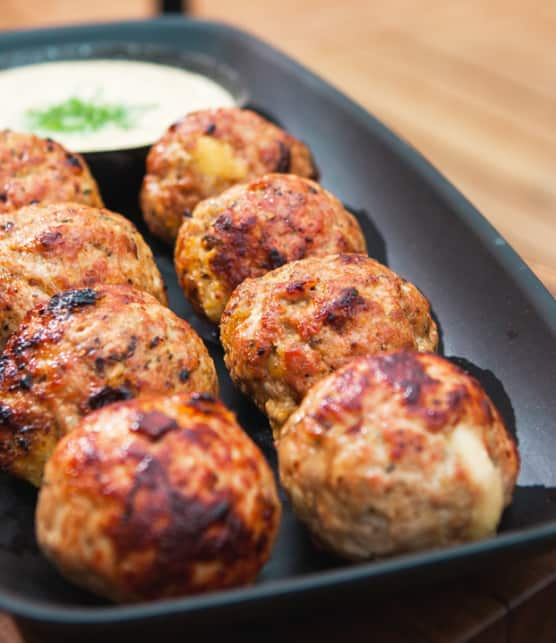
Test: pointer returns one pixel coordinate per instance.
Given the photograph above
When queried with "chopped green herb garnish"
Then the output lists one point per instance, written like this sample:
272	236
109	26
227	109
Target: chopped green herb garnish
77	115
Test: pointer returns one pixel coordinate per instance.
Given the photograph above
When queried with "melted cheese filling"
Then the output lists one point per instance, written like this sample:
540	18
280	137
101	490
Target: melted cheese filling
216	158
486	478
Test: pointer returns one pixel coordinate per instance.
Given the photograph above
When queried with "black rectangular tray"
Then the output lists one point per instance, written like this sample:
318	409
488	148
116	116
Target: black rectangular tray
495	317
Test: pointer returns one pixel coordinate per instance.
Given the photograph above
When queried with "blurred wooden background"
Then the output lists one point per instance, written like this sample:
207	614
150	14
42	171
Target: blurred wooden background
471	84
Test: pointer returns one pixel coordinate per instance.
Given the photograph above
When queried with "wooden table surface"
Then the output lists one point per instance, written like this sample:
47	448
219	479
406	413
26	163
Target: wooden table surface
472	86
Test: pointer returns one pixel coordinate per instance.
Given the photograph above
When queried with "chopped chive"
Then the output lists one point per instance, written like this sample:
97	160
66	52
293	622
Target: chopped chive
77	115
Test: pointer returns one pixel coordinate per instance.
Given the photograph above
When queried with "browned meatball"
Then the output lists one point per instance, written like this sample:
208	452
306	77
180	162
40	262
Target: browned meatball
256	227
34	169
158	497
82	350
49	248
286	330
398	452
207	152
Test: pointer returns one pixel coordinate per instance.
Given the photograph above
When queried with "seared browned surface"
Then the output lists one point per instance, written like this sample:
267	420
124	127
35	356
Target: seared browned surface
45	249
85	349
253	228
38	170
207	152
158	497
286	330
397	452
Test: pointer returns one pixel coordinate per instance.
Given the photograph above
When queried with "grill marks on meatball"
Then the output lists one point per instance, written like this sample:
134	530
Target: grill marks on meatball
187	501
406	374
237	257
397	452
276	259
16	434
67	302
423	396
53	248
284	159
254	228
231	241
83	350
50	238
207	152
426	397
344	308
33	170
182	529
73	160
311	317
108	395
154	424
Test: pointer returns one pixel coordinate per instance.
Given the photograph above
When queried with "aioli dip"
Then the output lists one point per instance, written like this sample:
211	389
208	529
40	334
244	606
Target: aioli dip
103	105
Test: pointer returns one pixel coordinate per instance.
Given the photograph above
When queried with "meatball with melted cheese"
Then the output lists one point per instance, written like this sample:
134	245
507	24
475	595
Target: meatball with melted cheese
34	169
207	152
394	453
82	350
256	227
286	330
50	248
158	497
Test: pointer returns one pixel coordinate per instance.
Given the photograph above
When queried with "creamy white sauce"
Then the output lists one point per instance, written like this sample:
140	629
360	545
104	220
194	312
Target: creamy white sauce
162	93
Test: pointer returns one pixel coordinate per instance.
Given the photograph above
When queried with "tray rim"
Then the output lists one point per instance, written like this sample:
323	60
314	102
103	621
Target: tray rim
537	294
242	596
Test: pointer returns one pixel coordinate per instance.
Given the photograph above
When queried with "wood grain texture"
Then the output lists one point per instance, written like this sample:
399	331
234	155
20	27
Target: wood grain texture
15	14
469	84
504	605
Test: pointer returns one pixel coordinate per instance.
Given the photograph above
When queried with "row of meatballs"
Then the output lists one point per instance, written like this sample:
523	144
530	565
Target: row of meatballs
149	487
397	450
389	453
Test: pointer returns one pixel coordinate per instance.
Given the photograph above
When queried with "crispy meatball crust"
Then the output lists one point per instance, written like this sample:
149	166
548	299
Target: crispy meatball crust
158	497
34	169
256	227
286	330
207	152
82	350
397	452
45	249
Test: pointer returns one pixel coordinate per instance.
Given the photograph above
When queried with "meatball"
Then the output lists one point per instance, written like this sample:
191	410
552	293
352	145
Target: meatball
34	169
256	227
158	497
45	249
207	152
286	330
82	350
397	452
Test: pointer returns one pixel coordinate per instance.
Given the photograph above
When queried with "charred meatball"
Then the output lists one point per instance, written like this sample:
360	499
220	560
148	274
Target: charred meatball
397	452
158	497
256	227
286	330
50	248
82	350
207	152
34	169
